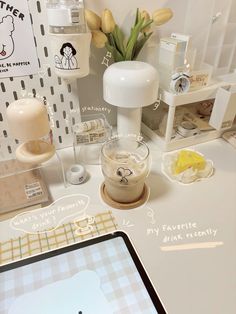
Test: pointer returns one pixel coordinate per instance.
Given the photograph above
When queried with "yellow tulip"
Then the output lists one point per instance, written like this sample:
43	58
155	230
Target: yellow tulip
162	16
93	20
108	22
146	17
98	39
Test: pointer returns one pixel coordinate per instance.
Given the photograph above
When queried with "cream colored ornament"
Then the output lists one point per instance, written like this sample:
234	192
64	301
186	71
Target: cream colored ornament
99	39
145	15
162	16
93	20
28	122
108	22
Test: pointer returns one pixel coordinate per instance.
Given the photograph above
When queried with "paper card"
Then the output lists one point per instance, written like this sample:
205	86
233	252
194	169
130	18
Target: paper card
80	294
18	55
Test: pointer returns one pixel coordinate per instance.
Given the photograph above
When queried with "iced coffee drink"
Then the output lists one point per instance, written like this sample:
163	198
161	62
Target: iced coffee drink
125	166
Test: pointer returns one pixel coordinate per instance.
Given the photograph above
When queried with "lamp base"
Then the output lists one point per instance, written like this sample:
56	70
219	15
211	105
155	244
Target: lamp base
26	154
129	121
109	201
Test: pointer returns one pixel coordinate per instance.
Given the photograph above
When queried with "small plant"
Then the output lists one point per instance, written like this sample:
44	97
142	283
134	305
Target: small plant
106	33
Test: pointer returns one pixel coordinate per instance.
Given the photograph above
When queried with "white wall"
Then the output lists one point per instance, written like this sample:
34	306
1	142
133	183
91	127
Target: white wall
190	17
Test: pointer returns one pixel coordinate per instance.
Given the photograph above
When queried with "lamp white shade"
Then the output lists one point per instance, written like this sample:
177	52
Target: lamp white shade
130	84
28	119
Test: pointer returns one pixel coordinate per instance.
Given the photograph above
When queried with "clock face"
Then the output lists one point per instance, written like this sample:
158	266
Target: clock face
180	84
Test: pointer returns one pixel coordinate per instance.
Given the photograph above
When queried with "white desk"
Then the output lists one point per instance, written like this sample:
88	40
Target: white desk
188	281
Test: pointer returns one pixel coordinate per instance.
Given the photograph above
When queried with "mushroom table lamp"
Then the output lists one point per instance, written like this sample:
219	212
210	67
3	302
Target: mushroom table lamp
130	85
28	122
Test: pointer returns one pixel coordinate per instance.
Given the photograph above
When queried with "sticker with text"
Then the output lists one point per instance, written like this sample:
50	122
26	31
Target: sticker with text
33	190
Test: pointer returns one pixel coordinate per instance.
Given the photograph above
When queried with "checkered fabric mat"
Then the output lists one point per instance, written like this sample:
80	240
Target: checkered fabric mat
110	260
31	244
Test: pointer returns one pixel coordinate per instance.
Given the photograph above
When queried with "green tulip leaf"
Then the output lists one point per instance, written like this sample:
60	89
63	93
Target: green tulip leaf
132	40
137	17
146	24
139	45
119	39
117	56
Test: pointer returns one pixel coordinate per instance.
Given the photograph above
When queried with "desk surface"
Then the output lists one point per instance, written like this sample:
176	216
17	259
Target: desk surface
191	280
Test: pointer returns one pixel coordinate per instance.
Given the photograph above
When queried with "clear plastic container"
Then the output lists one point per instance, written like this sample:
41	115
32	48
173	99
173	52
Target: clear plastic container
70	38
88	141
66	16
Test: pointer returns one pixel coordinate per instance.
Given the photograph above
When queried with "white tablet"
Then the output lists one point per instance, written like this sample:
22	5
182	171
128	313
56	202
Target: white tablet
102	275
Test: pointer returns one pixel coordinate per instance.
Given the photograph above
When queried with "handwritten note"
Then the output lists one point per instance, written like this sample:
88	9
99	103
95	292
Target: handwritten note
183	236
50	217
95	109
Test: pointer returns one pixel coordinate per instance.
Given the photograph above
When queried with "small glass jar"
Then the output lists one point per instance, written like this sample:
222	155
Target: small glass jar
125	166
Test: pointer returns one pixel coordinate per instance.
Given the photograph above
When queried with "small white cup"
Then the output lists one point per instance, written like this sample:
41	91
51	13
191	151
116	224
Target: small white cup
76	174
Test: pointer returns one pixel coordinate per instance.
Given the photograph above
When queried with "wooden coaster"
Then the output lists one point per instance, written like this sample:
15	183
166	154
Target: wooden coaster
108	200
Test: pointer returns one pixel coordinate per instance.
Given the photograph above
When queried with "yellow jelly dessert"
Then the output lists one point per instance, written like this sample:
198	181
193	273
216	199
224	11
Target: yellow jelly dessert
188	159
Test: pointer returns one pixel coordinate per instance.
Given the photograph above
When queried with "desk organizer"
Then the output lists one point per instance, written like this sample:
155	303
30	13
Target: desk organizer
163	123
87	143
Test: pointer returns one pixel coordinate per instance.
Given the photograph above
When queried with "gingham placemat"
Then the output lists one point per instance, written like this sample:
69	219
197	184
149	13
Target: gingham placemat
31	244
119	281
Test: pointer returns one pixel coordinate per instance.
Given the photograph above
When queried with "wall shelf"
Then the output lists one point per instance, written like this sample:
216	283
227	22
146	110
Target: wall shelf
208	92
167	142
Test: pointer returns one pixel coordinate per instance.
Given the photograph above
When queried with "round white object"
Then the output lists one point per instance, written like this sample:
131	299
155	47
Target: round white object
179	83
130	84
28	119
76	174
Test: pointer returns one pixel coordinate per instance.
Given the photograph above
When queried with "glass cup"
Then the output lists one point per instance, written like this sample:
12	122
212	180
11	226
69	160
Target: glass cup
125	166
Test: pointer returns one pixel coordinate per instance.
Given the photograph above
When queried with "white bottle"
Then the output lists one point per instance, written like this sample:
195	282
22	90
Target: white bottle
70	39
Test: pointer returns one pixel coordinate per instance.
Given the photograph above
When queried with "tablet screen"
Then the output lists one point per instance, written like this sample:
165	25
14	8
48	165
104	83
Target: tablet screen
100	275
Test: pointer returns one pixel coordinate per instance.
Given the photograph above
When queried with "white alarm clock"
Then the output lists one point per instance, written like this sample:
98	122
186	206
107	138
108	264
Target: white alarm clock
180	83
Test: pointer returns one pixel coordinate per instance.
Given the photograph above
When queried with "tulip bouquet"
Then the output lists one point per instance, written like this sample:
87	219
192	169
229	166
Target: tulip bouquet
106	33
